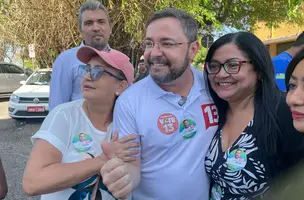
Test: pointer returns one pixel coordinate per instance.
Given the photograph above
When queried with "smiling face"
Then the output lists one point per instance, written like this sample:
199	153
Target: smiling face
167	64
95	28
295	96
186	124
81	137
238	154
233	87
141	67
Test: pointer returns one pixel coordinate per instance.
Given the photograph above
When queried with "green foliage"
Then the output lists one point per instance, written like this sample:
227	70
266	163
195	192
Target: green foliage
28	64
52	25
199	60
200	9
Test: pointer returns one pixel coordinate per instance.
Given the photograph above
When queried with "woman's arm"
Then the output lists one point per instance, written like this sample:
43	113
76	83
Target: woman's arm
44	172
3	184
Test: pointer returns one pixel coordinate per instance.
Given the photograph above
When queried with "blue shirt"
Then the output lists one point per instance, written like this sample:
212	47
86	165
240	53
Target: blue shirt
281	63
66	81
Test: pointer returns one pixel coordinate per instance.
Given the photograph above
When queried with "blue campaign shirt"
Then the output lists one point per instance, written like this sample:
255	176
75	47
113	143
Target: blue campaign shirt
66	81
281	63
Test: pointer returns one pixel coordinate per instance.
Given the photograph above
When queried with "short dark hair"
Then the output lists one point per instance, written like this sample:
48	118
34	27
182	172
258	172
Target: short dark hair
299	41
267	95
188	23
292	65
91	5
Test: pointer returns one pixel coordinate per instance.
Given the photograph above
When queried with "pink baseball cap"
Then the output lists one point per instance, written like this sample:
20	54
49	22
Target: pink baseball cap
113	57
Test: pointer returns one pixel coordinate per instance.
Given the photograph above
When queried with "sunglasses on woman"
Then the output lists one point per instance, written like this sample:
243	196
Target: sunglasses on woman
95	72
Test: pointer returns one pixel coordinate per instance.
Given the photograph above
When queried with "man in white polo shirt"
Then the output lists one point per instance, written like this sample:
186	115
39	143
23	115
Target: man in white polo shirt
173	114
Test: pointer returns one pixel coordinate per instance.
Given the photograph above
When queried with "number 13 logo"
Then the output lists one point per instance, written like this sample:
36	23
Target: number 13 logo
210	115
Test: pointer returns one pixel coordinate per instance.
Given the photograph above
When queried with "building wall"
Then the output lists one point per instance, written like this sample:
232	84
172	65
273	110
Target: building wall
285	29
278	39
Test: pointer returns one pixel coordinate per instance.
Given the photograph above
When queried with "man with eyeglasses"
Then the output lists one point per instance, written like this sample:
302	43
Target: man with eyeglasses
95	28
170	164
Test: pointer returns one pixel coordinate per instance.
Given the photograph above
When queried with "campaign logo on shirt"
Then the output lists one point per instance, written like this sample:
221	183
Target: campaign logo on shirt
216	192
187	128
82	142
236	160
210	115
167	123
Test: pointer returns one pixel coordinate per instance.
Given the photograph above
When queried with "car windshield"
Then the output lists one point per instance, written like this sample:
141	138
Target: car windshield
40	78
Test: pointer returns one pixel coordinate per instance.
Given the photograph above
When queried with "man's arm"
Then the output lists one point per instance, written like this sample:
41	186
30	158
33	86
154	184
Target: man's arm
119	177
61	83
122	178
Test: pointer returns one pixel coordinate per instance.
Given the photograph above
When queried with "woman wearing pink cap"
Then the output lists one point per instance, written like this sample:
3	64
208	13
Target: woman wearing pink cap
67	154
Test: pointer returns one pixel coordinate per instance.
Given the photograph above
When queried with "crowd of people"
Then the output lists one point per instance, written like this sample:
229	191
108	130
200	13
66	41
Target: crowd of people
172	131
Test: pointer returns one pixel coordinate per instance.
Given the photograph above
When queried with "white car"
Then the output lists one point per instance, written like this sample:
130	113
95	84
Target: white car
31	100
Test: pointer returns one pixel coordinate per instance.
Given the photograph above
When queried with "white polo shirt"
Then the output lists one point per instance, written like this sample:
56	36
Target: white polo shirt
172	151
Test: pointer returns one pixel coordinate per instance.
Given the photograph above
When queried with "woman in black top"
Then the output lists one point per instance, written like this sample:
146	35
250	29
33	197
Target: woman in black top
255	140
295	90
291	185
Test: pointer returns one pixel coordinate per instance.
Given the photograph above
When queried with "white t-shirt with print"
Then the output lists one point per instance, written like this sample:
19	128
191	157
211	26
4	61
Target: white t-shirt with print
69	129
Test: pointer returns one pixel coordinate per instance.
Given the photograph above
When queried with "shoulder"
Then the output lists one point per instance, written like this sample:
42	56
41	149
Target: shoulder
69	107
282	60
69	53
277	57
200	76
136	90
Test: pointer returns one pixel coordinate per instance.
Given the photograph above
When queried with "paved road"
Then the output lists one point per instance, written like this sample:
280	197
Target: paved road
15	147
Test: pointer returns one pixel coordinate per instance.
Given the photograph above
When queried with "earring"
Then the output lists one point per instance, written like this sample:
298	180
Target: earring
116	93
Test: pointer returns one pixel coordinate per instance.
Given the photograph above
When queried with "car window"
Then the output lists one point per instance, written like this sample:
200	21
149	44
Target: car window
12	69
3	68
40	78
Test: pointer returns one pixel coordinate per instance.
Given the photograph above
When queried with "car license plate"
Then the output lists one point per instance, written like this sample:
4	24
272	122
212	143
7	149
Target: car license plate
35	109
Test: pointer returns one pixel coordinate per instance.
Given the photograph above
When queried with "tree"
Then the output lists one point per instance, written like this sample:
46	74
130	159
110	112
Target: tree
52	25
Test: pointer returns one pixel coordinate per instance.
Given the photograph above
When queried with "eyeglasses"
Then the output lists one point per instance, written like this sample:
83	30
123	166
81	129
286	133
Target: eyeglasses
231	66
95	72
148	45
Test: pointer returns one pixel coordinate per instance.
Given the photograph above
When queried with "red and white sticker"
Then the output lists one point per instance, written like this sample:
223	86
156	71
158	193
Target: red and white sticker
167	123
210	115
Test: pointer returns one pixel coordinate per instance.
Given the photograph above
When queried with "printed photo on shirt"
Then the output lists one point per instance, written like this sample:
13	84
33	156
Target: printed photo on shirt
236	160
187	128
82	142
216	192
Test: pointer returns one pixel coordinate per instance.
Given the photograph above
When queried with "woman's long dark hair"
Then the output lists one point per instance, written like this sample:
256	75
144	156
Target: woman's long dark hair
267	94
292	65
